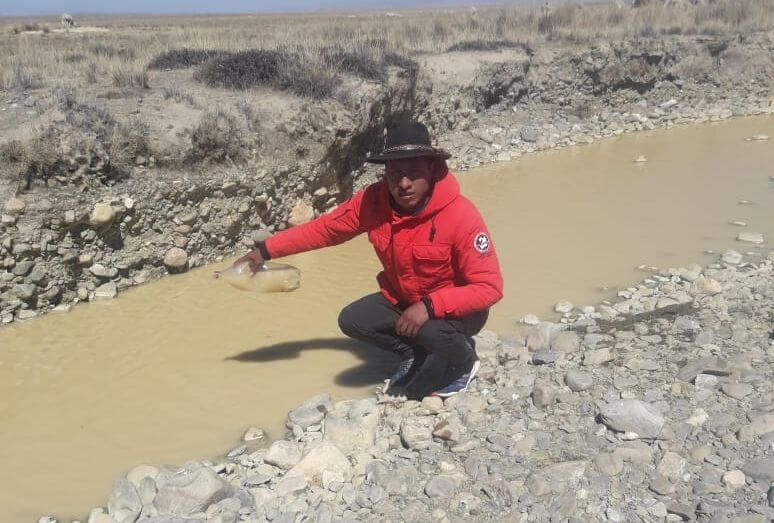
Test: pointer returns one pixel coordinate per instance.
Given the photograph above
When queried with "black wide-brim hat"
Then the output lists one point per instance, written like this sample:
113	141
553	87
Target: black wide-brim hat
407	140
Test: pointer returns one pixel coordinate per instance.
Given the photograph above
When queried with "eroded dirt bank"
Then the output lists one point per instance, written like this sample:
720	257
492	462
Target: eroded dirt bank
90	233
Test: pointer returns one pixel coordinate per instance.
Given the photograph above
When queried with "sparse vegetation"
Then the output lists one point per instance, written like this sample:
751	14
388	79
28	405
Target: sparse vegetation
217	138
483	45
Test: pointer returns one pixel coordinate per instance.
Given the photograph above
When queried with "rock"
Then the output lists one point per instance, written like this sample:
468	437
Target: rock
597	357
699	417
530	319
543	357
176	259
566	342
705	285
416	433
564	307
762	424
351	426
291	485
253	434
706	381
640	159
140	472
614	515
731	257
633	416
38	274
106	291
25	291
448	430
15	206
100	271
302	212
23	268
102	215
311	412
737	391
770	496
283	454
189	490
750	237
578	381
528	134
319	458
707	365
610	464
760	469
733	479
440	487
543	395
671	466
124	498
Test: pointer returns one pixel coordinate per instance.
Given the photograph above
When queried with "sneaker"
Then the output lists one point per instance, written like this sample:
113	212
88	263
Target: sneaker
403	370
458	385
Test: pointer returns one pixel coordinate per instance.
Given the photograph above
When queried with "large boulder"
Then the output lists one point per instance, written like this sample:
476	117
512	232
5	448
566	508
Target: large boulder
351	426
188	490
124	503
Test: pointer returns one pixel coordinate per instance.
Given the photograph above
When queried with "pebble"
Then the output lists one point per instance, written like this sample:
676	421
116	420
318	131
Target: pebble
564	307
750	237
640	159
731	257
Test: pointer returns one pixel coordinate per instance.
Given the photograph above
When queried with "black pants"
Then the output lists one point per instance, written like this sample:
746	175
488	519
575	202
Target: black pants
372	319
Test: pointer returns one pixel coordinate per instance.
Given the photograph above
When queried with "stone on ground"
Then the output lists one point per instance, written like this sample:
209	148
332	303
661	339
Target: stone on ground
633	416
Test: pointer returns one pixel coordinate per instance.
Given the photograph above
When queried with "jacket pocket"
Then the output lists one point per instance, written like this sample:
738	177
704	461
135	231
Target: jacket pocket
432	263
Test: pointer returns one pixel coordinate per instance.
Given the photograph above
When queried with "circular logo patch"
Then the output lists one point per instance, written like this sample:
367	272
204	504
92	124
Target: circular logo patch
481	243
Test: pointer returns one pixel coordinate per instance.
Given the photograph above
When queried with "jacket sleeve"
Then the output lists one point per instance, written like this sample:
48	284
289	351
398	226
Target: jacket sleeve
341	224
479	269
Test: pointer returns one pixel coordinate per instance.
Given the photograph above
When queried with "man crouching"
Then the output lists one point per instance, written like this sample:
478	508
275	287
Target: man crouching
441	273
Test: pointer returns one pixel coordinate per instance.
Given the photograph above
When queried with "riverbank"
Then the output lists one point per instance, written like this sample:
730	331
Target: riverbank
658	406
86	236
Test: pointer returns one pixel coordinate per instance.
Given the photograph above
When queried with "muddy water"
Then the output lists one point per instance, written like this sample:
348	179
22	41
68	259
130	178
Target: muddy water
178	369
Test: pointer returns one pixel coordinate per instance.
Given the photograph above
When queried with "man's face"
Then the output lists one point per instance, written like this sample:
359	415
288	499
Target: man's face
409	181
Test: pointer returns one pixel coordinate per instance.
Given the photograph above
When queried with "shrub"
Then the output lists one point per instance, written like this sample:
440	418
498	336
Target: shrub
307	77
182	58
127	142
217	137
360	62
241	70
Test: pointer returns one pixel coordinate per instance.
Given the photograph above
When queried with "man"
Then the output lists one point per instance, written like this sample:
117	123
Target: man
441	272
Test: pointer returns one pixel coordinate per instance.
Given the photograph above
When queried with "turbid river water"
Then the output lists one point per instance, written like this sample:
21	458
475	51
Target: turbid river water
177	369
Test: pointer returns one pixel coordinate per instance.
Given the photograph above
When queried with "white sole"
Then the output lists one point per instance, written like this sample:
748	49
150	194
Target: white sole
473	372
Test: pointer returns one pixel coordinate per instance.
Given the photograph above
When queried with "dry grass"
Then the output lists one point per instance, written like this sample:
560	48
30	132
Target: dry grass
218	137
362	45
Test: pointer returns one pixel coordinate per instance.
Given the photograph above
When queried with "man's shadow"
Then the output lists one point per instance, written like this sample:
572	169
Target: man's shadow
376	365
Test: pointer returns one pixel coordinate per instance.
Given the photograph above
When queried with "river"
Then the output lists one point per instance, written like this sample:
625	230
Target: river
178	369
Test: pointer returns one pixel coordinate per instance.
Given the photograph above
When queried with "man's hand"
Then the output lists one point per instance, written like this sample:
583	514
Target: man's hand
254	261
412	320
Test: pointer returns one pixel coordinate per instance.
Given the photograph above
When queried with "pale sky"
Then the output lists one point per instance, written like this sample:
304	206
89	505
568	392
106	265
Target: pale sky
48	7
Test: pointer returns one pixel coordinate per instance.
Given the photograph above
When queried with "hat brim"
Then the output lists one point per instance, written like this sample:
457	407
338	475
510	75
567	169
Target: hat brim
404	155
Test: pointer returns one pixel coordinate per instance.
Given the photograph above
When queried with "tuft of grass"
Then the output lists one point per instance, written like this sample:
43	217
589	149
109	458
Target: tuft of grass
218	138
127	77
182	58
127	142
103	50
91	73
560	18
173	93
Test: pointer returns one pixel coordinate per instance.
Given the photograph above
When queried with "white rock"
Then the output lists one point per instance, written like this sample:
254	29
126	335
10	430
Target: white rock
530	319
320	457
671	466
734	479
750	237
283	454
563	307
253	434
698	417
704	285
731	257
738	223
102	214
107	291
640	159
633	415
15	206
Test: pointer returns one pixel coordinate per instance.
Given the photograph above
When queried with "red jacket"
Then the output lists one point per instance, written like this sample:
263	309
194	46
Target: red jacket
444	252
